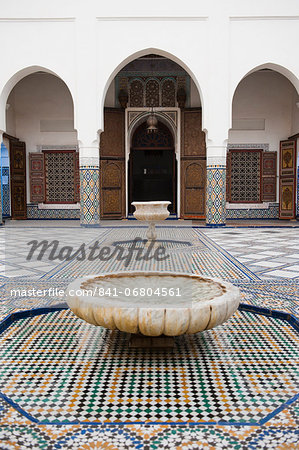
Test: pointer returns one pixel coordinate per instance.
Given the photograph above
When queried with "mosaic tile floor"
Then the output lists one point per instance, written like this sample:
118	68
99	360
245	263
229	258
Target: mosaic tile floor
269	253
14	248
198	256
59	369
209	253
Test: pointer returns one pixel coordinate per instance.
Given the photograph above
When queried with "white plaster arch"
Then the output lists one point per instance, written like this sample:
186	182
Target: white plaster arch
269	65
18	76
136	55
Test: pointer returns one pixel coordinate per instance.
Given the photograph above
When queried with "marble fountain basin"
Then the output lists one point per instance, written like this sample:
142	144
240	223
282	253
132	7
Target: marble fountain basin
129	302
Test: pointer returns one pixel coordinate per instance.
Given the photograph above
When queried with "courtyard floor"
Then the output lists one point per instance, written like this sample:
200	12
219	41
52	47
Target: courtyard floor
67	384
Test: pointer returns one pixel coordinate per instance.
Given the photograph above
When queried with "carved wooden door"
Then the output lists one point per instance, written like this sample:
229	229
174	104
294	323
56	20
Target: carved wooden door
37	177
287	179
112	189
18	179
112	165
269	172
194	181
193	165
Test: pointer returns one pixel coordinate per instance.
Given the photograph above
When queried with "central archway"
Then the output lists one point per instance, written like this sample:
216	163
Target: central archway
152	167
153	83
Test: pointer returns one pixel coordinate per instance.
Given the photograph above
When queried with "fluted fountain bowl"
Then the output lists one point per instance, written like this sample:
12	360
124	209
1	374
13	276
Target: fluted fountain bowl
153	303
151	211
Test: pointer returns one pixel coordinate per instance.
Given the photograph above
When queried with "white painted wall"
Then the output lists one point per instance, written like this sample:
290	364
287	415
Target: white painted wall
265	95
36	98
269	96
87	42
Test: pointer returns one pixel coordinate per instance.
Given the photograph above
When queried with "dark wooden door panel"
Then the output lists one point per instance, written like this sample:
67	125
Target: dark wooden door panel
287	189
193	188
287	179
193	138
18	180
194	202
112	141
269	164
112	189
112	165
37	177
112	203
193	165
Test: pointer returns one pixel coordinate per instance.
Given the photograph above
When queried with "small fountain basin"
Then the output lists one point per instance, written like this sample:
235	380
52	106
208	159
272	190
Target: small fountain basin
151	212
153	303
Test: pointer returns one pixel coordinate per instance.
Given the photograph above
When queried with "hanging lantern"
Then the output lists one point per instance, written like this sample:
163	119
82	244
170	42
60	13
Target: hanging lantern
152	123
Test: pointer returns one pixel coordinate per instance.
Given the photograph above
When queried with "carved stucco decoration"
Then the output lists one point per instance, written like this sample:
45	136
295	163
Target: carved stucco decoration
194	137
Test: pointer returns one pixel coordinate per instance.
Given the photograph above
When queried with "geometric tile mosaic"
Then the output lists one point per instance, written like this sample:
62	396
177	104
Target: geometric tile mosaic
280	431
272	212
269	253
5	192
10	302
14	246
27	435
89	188
216	197
200	256
267	213
278	295
33	212
59	369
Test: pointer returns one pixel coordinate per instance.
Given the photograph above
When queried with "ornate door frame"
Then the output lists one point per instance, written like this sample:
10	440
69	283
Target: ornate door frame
171	117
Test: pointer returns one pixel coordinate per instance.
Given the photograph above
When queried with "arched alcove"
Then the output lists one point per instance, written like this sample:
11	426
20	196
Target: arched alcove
195	87
264	116
39	127
15	78
152	84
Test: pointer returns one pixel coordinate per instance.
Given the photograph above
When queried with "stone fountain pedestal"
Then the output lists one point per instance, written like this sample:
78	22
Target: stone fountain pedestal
155	343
